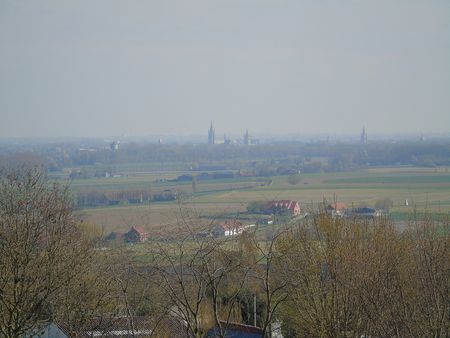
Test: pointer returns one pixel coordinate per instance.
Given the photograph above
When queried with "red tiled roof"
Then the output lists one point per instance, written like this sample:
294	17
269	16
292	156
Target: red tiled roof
337	206
284	204
140	230
231	224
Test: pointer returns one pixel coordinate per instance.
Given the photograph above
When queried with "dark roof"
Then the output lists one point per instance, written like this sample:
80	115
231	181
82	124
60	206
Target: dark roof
363	210
236	330
114	236
119	327
65	330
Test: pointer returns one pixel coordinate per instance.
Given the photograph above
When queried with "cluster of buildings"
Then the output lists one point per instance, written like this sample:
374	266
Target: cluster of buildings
279	207
246	139
114	145
339	209
232	227
136	234
292	208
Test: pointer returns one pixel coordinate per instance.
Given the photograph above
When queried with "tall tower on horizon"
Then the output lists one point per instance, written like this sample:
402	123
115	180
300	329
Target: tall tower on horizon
246	138
211	134
363	139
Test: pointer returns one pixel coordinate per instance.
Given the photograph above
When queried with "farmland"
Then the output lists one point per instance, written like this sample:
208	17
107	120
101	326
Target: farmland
409	188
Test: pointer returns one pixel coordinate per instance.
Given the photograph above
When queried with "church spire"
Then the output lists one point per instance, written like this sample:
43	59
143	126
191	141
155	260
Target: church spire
211	134
246	138
363	139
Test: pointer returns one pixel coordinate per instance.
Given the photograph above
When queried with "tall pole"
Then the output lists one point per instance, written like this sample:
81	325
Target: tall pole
254	309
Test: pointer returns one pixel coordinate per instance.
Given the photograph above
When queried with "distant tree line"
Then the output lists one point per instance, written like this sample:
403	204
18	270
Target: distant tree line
95	198
281	158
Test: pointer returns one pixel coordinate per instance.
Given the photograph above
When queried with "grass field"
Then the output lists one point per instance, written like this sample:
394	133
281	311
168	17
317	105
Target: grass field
430	179
425	189
159	181
161	214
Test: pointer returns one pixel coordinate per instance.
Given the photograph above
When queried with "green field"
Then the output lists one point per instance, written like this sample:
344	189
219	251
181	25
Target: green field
425	190
160	181
395	179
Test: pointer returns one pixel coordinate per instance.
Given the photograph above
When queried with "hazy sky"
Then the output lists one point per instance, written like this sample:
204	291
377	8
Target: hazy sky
105	67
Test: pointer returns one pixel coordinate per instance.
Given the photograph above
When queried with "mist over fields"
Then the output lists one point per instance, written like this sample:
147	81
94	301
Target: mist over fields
224	168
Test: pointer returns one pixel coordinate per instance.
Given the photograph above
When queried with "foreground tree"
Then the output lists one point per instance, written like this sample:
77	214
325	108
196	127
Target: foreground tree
264	261
201	276
91	294
42	249
352	278
430	275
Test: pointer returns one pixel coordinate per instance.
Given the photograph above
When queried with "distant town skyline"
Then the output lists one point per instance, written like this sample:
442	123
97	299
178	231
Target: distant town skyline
103	68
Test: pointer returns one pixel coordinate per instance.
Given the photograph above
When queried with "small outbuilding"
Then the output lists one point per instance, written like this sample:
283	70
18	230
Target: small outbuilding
229	228
280	206
337	208
136	235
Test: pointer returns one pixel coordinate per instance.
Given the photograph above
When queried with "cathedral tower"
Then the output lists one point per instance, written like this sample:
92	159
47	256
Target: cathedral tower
211	134
363	139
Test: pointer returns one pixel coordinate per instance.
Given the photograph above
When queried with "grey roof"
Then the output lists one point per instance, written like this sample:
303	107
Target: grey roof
121	327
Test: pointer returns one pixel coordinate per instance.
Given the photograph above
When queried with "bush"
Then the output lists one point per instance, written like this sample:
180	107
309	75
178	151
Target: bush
294	179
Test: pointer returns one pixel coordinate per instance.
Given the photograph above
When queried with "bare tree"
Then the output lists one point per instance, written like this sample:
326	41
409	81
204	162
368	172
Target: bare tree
201	274
266	272
430	273
41	248
88	296
227	274
318	265
177	270
352	277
